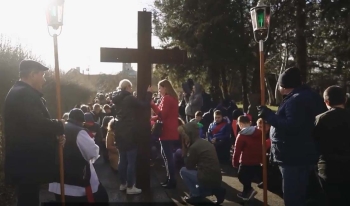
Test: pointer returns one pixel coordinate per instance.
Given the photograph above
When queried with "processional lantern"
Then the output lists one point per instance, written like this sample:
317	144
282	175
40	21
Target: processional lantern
261	24
54	18
261	21
54	14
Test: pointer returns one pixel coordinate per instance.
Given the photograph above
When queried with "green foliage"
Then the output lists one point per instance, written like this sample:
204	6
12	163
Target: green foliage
216	34
71	91
71	94
219	38
10	57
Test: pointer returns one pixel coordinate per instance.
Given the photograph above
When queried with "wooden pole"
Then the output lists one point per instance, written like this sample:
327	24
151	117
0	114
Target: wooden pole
59	114
144	78
262	92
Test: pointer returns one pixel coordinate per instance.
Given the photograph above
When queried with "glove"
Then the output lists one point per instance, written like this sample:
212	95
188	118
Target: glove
263	111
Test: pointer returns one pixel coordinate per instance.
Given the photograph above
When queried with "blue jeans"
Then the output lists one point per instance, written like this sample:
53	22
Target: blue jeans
167	153
294	185
127	161
191	181
178	159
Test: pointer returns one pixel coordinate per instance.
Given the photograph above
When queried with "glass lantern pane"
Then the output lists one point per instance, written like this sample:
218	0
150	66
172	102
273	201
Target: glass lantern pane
253	16
51	15
60	14
267	16
260	14
53	11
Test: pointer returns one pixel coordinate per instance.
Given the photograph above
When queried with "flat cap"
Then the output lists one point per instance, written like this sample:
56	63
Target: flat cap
31	65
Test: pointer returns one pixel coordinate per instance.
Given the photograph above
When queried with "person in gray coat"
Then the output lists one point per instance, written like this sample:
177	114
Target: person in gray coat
194	103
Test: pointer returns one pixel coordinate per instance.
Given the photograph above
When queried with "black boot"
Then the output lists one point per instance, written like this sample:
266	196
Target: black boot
165	182
170	185
220	195
194	200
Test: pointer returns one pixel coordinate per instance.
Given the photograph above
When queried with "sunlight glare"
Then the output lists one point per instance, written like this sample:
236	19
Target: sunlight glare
87	26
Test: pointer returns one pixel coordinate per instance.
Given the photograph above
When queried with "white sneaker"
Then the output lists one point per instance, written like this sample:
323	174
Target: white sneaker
133	191
122	187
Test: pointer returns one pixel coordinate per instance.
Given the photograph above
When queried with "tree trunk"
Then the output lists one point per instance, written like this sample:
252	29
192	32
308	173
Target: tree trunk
2	144
301	45
225	93
278	96
271	99
215	85
244	89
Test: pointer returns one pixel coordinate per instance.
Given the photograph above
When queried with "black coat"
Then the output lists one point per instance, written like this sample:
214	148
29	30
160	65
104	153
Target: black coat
331	133
127	107
31	137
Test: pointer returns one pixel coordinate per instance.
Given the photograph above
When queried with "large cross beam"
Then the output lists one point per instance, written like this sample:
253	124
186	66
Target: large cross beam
144	56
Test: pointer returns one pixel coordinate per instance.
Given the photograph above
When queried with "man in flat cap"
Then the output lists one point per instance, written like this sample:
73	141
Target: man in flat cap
31	135
293	148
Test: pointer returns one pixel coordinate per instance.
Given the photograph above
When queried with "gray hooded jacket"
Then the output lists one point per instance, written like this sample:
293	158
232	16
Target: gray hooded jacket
195	101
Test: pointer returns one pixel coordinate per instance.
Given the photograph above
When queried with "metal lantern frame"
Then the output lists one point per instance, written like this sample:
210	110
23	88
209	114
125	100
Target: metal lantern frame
261	32
54	15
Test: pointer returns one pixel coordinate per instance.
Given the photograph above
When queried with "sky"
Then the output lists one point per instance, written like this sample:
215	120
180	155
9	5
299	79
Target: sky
87	26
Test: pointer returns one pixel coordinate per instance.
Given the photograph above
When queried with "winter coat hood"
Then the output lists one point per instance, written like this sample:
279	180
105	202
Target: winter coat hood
192	131
248	131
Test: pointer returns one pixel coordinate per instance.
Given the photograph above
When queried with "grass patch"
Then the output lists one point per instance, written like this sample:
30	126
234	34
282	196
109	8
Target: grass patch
273	108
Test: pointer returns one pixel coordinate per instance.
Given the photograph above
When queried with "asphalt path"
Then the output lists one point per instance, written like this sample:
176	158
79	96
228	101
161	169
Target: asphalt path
109	179
157	194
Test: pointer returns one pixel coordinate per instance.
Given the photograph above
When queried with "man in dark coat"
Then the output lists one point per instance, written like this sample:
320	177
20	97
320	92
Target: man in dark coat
31	135
293	148
331	133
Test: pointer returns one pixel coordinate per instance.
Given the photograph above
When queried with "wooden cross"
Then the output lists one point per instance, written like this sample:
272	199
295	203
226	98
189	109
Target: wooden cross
144	56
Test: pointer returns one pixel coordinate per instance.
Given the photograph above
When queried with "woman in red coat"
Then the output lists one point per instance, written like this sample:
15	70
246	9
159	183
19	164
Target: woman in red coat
167	111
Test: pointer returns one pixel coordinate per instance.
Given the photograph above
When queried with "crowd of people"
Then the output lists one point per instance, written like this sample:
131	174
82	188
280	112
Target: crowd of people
307	135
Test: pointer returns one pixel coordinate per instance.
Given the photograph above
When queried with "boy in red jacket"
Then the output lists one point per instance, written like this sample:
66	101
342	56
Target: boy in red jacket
247	156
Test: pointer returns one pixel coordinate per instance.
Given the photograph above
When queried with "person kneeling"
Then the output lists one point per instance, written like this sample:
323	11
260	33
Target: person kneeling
80	151
202	172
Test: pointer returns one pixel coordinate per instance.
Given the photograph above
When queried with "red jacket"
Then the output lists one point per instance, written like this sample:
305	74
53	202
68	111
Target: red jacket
167	111
248	147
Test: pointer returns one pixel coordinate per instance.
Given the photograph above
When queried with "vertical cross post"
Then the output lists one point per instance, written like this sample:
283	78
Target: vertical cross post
144	78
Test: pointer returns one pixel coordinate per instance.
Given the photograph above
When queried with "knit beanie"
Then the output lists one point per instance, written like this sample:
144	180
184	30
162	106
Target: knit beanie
76	115
290	78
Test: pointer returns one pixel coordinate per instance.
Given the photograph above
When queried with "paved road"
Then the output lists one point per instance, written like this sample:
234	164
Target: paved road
157	194
110	181
230	183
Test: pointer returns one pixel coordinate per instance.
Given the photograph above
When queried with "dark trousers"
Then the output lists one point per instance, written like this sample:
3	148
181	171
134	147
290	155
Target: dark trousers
223	150
246	175
336	193
101	196
167	153
178	159
104	151
28	194
295	183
